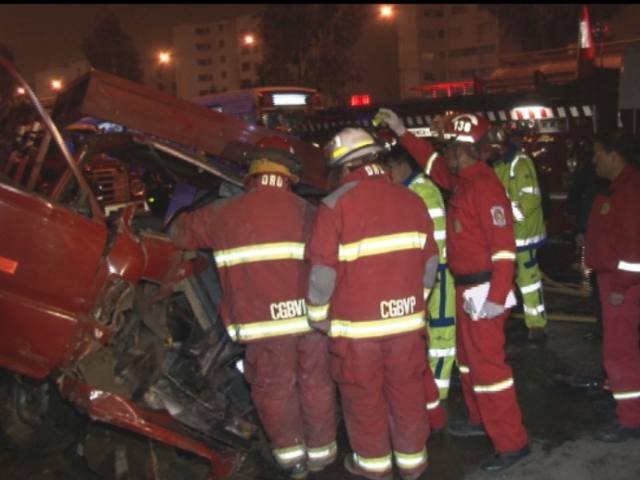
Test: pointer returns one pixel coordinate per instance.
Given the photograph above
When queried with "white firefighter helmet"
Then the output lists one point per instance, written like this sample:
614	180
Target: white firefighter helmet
348	145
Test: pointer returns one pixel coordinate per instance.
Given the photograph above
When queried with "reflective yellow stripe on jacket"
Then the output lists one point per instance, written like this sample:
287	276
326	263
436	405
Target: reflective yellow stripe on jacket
382	244
259	252
269	328
377	328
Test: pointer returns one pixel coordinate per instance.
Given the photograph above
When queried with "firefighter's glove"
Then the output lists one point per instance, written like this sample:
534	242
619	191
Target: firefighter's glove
616	298
491	310
324	326
388	117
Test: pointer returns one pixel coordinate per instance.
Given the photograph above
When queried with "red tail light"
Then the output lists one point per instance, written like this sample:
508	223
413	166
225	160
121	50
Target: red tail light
360	100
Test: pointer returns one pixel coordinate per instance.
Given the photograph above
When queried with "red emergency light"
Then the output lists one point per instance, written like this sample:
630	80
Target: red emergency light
360	100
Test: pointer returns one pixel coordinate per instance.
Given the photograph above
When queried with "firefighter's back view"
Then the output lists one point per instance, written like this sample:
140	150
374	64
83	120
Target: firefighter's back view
258	241
373	258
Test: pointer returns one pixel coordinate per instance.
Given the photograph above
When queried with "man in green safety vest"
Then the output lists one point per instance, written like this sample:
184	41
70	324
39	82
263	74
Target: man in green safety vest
516	171
441	327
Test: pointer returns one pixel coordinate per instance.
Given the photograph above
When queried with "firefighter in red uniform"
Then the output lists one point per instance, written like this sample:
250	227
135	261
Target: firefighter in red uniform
613	252
373	261
258	241
480	250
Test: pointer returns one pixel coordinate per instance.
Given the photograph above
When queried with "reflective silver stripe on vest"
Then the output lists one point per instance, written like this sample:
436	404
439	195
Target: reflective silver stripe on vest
410	461
258	253
534	310
382	244
529	241
512	170
377	328
268	328
442	352
517	214
442	383
436	212
629	266
495	387
531	190
440	235
531	288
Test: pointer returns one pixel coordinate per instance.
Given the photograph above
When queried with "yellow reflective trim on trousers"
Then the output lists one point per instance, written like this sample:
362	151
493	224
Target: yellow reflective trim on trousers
410	460
495	387
259	252
626	395
286	455
268	328
503	255
338	152
318	313
377	328
433	405
382	244
320	453
379	464
464	369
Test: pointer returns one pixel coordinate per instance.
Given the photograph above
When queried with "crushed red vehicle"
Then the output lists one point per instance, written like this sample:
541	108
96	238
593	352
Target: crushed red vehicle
96	303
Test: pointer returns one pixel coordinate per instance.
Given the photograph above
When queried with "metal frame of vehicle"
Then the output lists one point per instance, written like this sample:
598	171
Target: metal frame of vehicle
57	311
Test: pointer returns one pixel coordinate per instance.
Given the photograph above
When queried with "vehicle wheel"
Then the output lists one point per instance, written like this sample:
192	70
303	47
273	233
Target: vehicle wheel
33	416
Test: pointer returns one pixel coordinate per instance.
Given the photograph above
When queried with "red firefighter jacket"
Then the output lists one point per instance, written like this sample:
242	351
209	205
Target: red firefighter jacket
480	233
613	231
377	237
258	241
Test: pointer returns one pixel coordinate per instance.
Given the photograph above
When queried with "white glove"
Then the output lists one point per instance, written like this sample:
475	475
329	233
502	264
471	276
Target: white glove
392	120
491	310
616	298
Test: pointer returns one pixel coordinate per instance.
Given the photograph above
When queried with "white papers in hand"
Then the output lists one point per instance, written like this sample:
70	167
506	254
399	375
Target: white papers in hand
475	297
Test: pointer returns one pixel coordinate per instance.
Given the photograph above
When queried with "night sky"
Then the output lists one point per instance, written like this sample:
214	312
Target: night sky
44	36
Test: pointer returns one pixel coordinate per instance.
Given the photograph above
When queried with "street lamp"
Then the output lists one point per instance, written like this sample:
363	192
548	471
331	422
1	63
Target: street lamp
249	39
56	84
20	91
386	11
164	58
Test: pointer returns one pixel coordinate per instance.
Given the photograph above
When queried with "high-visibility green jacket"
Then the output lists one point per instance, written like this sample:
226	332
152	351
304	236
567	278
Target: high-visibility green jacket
520	180
430	194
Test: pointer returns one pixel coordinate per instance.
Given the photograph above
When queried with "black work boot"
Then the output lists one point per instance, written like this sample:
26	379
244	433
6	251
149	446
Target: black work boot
502	461
617	433
462	428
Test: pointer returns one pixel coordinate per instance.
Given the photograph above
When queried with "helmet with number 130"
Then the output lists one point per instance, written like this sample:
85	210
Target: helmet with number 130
466	128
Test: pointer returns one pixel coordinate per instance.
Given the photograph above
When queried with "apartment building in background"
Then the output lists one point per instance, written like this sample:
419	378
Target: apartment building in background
218	56
440	43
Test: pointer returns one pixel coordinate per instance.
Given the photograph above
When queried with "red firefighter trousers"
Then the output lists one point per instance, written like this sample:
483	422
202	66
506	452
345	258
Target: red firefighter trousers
487	380
383	398
621	350
293	392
